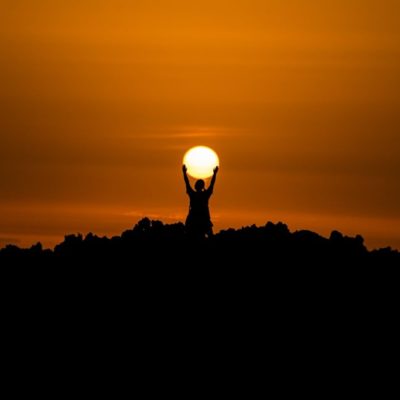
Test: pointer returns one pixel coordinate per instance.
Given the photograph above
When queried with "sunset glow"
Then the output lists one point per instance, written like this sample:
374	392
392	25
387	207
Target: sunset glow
100	100
200	162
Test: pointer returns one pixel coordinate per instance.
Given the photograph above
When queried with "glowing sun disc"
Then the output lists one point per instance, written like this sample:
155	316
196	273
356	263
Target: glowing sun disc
200	162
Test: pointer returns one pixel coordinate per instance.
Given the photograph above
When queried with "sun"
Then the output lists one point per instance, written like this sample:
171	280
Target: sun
200	162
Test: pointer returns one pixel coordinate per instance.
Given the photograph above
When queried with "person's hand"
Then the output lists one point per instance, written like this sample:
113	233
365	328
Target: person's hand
216	169
184	168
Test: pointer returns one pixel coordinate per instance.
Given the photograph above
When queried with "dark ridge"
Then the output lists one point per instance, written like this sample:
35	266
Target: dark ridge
153	243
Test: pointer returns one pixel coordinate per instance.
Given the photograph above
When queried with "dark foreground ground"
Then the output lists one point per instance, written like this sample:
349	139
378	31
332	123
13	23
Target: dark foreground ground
156	245
261	293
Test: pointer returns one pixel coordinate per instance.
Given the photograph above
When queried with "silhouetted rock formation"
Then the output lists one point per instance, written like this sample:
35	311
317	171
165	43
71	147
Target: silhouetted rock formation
152	243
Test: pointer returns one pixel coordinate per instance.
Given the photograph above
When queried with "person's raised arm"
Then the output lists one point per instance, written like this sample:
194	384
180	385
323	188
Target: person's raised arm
186	179
211	187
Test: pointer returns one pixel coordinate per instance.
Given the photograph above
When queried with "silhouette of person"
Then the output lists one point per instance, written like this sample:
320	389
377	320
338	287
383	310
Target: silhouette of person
198	222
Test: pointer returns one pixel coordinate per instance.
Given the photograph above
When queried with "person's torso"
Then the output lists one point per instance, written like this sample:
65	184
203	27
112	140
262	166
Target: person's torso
199	203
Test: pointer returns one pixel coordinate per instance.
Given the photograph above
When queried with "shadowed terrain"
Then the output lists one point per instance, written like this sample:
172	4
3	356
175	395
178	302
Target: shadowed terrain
153	243
256	282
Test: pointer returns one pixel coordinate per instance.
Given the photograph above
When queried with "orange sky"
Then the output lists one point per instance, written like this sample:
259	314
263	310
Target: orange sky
99	100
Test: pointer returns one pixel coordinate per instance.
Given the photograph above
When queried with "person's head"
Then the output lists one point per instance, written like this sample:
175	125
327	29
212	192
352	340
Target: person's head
199	185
